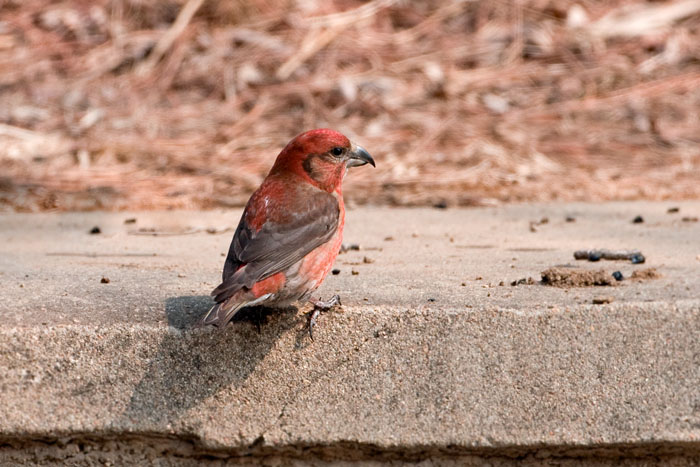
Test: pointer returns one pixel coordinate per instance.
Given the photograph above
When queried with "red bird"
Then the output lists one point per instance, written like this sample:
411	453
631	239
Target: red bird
291	229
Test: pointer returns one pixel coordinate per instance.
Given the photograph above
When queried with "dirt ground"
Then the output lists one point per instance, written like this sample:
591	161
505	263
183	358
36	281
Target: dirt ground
125	104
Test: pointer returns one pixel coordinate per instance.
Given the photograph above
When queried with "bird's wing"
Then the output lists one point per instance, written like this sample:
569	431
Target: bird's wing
291	230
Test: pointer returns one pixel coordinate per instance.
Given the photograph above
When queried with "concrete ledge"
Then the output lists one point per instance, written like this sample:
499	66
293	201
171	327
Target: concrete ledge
490	382
526	373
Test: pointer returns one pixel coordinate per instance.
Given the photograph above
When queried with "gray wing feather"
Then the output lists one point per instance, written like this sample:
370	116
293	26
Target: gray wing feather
277	246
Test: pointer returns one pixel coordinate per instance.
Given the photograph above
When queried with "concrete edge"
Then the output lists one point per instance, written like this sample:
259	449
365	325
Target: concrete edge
192	447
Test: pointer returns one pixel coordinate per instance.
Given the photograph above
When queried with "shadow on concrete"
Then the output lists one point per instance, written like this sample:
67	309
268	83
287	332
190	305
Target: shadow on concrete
192	364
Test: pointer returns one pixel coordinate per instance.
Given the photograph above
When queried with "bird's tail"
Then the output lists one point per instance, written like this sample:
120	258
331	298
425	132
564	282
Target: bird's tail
221	313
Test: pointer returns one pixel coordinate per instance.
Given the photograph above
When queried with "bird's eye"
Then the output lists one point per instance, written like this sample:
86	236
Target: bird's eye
337	151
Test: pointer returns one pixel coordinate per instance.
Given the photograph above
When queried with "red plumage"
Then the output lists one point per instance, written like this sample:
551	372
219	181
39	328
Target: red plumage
291	229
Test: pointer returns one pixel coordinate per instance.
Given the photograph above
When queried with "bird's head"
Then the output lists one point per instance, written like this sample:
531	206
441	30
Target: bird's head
321	157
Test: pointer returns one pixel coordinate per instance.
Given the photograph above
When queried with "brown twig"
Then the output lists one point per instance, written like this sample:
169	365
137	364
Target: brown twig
635	256
166	41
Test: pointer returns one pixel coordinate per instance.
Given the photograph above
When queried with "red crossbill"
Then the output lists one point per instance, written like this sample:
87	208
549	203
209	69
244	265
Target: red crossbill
291	229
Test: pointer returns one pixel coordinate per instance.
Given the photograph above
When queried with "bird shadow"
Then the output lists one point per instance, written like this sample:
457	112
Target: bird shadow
191	363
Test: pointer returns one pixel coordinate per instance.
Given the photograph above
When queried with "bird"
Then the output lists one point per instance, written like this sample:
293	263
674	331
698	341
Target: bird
291	229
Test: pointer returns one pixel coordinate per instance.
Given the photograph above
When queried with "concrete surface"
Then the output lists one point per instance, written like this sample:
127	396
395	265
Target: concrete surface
430	360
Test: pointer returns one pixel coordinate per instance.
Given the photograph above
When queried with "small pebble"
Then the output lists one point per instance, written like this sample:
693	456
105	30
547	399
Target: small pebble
534	224
95	230
354	273
689	219
603	299
131	220
673	210
104	280
367	260
570	219
523	281
618	275
637	259
335	272
594	256
388	239
431	299
442	204
638	220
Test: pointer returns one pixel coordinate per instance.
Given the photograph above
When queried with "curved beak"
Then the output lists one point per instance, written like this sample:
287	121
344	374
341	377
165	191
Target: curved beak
359	156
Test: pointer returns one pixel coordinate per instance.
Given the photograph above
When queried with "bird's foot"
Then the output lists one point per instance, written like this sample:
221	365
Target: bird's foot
325	306
320	306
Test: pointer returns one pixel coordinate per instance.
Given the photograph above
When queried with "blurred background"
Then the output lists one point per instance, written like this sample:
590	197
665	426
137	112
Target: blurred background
136	104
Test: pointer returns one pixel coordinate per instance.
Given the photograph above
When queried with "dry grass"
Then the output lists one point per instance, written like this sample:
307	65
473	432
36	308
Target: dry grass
131	104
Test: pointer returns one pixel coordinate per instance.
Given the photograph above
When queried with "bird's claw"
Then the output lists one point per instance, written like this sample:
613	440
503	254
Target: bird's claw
320	306
312	321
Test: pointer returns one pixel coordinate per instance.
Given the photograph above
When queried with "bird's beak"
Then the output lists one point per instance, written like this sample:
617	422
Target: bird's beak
359	156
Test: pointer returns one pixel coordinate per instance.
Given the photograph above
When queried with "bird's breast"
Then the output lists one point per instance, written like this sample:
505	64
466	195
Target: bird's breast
318	263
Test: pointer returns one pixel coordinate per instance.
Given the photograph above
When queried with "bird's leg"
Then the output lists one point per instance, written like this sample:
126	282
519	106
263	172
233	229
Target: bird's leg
320	306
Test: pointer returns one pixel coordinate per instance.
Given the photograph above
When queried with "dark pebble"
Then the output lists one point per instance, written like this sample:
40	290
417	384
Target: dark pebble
618	275
104	280
594	256
637	259
638	220
431	299
673	210
95	230
335	272
570	219
131	220
442	204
